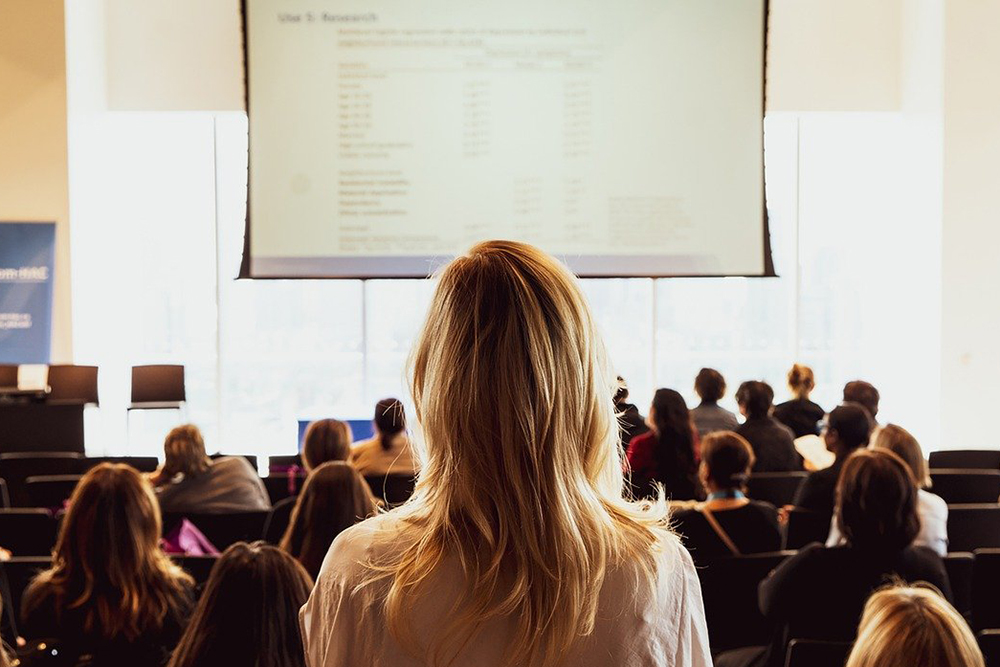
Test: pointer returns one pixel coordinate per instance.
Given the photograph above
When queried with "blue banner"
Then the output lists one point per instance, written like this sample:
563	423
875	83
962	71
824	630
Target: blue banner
27	264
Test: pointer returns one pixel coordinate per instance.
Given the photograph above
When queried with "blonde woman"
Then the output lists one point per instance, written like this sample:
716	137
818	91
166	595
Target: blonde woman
800	414
517	547
913	626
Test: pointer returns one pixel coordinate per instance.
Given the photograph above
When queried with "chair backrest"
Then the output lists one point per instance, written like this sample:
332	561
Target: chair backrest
729	589
812	653
4	495
278	520
972	527
281	464
73	384
985	584
281	486
17	467
199	567
959	566
140	463
989	644
8	375
251	458
966	486
805	527
393	489
51	491
777	488
19	572
985	459
27	532
223	529
158	384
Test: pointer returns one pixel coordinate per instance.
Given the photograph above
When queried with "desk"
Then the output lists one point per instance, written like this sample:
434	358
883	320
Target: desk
41	427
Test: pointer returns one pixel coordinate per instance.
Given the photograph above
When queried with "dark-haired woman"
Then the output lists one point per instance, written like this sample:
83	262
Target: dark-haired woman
728	523
389	452
326	440
248	615
667	454
111	592
334	498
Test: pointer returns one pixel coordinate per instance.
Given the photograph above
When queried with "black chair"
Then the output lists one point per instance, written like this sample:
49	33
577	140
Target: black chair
17	467
983	459
812	653
27	532
281	464
278	520
777	488
985	584
199	567
73	384
223	529
251	458
158	386
4	495
966	486
959	567
140	463
805	527
392	489
282	486
8	376
19	571
51	491
972	527
989	644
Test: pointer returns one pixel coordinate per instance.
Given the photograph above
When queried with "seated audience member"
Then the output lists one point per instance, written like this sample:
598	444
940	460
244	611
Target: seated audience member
248	615
326	440
728	523
773	442
189	481
846	430
389	452
517	548
931	508
334	498
111	591
708	416
666	454
863	393
820	592
913	625
630	421
800	414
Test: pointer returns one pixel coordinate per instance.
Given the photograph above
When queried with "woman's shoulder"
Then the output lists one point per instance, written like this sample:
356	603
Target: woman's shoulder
930	501
366	543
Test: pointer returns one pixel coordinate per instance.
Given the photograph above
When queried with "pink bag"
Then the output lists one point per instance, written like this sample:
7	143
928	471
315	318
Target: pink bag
186	539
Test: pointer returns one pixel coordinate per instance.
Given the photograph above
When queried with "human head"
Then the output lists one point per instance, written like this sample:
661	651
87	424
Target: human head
621	391
669	414
755	399
877	501
726	460
513	391
107	560
898	440
389	420
859	391
334	498
913	625
326	440
184	452
847	428
801	380
249	612
710	385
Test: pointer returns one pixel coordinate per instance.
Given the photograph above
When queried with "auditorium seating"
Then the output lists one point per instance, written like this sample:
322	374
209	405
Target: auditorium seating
960	567
729	589
27	531
986	585
140	463
974	526
50	491
17	467
777	488
393	489
19	571
4	495
281	464
224	529
805	527
281	486
277	520
985	459
812	653
251	458
958	486
989	644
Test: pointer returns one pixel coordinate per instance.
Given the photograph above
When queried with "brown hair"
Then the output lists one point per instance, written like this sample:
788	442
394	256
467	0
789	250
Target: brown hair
107	563
756	398
726	458
335	497
326	440
852	424
801	380
184	453
898	440
913	625
859	391
710	385
877	501
390	419
249	612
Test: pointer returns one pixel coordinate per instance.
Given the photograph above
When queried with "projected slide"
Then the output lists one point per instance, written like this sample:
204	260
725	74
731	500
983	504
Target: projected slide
625	137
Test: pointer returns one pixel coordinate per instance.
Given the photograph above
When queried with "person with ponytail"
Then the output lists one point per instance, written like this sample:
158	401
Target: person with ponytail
517	547
389	452
728	523
666	455
800	414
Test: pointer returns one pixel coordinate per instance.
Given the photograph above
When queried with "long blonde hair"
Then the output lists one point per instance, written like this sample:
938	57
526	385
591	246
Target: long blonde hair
913	625
522	480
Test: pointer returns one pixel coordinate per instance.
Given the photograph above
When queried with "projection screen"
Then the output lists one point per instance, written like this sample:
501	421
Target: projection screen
625	137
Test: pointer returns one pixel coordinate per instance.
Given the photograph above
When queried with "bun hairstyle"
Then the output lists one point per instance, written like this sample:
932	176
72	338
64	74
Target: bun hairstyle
727	458
801	381
390	420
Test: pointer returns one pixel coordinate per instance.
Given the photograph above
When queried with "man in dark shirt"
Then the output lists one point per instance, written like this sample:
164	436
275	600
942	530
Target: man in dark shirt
773	443
847	429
